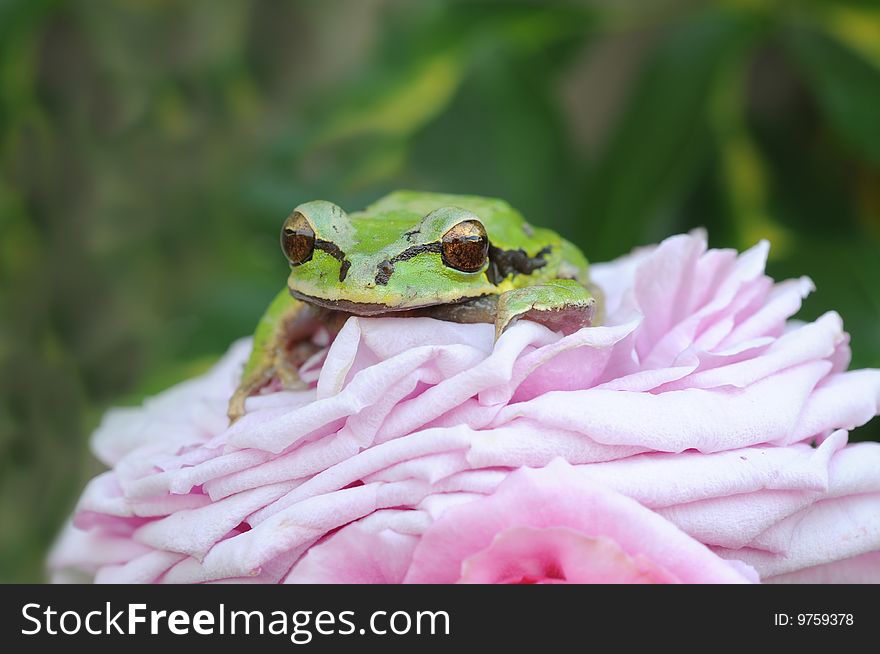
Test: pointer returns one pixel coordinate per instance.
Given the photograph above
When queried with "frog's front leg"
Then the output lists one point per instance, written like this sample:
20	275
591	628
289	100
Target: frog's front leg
561	305
281	345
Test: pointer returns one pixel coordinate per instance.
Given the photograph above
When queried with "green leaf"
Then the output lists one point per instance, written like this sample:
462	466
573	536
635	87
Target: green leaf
856	26
662	135
404	105
846	86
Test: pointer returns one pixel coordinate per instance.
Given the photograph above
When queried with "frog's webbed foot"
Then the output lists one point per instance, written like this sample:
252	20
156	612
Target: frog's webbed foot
284	366
247	387
561	305
281	346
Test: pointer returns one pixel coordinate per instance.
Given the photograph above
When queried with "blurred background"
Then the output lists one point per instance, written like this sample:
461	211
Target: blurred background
150	149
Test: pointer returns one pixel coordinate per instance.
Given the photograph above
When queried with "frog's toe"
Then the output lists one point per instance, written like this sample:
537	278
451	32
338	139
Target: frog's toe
235	409
252	381
561	307
566	319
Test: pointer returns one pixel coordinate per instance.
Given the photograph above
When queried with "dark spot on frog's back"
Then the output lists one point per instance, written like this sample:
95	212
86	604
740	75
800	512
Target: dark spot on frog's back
343	270
385	270
517	262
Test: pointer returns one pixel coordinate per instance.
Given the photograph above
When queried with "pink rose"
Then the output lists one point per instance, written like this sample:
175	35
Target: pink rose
698	399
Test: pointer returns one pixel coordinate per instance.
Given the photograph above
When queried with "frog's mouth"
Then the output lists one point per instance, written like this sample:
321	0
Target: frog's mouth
359	308
372	308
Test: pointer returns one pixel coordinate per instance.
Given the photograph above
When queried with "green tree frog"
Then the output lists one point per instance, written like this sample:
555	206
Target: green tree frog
460	258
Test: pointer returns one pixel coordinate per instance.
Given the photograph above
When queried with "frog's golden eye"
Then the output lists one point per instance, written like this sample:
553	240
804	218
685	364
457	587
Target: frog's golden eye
297	239
465	246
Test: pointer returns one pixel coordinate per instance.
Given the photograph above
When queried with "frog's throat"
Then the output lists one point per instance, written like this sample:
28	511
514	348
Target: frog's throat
365	308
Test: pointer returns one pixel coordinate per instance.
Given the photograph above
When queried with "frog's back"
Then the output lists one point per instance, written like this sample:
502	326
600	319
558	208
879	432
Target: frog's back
422	203
506	226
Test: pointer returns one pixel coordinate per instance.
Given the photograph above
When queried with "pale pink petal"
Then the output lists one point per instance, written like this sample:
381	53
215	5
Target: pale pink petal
430	467
524	442
145	569
863	569
304	523
826	531
736	521
816	340
89	551
659	283
299	464
665	480
708	420
195	531
103	494
845	401
355	555
368	461
616	278
410	521
782	302
575	361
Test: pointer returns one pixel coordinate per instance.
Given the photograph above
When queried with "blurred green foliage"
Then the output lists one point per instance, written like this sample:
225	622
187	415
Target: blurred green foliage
149	150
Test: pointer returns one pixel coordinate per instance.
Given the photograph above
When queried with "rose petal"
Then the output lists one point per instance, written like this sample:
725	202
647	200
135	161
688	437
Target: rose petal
355	555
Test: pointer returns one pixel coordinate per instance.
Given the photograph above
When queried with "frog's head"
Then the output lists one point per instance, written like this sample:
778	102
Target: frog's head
379	261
